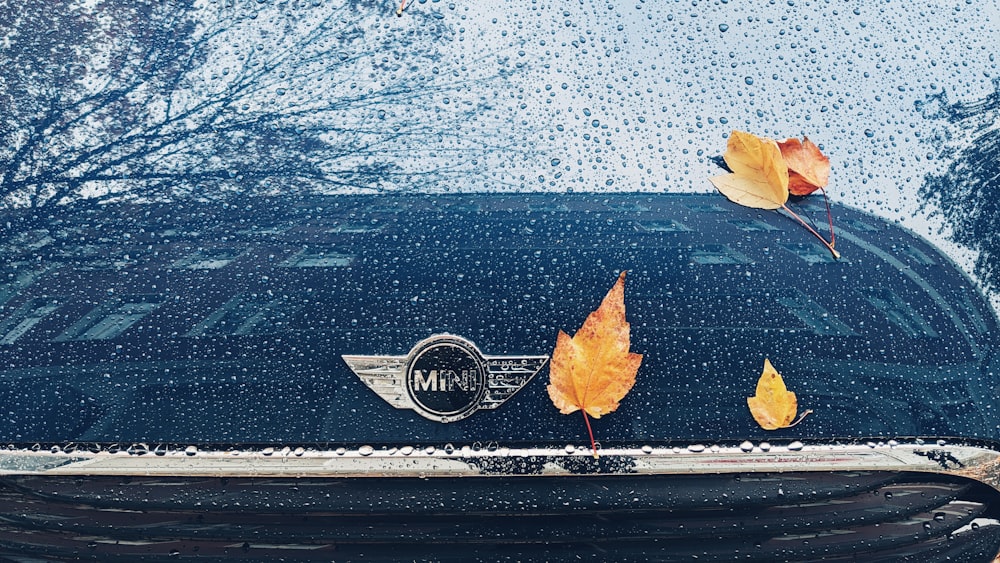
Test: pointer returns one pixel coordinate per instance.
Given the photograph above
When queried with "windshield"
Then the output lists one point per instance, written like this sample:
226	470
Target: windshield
185	98
204	111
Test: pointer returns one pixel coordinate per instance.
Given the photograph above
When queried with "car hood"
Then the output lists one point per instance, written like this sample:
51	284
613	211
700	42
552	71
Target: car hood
223	323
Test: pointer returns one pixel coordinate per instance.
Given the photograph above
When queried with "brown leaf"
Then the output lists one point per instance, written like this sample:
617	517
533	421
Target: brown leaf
808	168
760	176
593	370
774	406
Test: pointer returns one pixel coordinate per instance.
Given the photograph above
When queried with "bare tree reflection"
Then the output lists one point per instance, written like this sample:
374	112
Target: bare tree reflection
967	192
161	98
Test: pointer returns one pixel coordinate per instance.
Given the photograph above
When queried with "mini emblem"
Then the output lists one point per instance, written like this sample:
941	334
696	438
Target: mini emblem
445	378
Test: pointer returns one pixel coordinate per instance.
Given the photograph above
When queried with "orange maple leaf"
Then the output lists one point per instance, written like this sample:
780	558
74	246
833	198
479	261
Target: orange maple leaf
773	406
593	370
808	168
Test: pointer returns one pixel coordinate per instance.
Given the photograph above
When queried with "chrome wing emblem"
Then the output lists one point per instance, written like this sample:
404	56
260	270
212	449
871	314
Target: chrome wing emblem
445	377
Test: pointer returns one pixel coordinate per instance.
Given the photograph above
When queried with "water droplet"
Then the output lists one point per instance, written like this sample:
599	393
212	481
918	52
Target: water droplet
696	448
406	450
748	80
747	446
647	449
795	446
723	27
366	450
191	450
765	446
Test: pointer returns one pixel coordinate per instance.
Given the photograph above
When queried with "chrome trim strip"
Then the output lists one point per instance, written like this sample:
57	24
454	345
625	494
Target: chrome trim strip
974	462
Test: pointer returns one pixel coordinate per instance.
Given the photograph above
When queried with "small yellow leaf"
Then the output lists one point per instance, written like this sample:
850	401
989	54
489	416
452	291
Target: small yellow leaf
774	406
760	175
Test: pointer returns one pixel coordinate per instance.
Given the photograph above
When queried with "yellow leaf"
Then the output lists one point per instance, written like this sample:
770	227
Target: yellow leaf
760	175
593	370
774	406
744	191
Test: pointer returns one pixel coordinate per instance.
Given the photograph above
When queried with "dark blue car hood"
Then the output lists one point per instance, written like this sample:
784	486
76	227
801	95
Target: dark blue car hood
228	323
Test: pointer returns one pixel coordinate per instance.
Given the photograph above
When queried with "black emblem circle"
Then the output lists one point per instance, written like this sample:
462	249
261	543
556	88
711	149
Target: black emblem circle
446	377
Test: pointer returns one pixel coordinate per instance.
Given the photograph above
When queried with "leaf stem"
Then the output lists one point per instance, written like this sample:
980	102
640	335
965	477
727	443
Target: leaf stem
402	6
800	418
828	245
593	445
829	219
